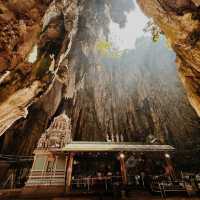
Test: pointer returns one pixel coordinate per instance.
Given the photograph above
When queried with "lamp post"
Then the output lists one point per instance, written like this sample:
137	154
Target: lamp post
123	168
69	168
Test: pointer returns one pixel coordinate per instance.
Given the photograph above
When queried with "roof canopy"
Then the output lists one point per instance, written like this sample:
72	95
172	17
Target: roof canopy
115	147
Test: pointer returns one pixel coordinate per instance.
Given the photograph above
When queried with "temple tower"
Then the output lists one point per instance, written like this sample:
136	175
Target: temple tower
49	164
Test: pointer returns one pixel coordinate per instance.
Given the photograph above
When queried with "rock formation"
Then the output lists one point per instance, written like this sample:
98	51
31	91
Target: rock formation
179	21
48	54
34	43
50	68
137	94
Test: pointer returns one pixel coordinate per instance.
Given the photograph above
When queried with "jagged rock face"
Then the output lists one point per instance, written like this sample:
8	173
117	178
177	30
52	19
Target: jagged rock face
64	34
179	21
135	95
40	85
30	83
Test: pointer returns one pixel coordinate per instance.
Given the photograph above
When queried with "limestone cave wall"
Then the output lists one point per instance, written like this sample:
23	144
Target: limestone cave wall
136	94
67	73
179	21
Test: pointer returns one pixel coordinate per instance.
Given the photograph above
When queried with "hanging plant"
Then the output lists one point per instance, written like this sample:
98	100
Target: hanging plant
154	30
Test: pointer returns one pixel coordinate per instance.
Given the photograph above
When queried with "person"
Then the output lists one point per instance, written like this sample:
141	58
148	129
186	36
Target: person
137	180
109	173
99	185
193	183
109	180
142	175
147	182
169	171
189	188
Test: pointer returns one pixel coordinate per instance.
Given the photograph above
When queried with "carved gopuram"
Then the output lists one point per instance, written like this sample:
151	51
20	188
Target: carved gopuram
49	164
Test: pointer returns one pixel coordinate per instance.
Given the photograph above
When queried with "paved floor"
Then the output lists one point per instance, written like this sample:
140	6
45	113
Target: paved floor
137	195
147	196
131	198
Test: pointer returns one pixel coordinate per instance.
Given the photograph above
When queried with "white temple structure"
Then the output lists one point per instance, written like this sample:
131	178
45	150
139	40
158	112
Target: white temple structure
49	164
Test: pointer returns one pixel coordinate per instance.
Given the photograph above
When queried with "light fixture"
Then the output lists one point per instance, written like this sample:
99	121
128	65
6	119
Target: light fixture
167	155
121	155
75	162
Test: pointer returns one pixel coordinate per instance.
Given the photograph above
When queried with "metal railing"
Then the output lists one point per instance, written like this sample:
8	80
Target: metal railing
37	178
88	182
164	186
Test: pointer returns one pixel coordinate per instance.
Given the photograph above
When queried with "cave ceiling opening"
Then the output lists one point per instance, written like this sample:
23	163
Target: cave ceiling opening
103	62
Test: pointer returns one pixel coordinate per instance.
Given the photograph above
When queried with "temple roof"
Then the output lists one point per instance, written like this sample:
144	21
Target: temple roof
79	146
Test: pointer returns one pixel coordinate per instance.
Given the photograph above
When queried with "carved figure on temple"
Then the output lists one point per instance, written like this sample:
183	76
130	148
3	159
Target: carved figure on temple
42	143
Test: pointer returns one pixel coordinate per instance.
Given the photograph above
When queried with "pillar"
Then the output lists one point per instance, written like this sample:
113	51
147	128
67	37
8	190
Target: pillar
169	165
69	165
123	168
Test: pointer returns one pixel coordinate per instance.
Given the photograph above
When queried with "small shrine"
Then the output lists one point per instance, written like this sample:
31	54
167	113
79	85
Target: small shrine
65	165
